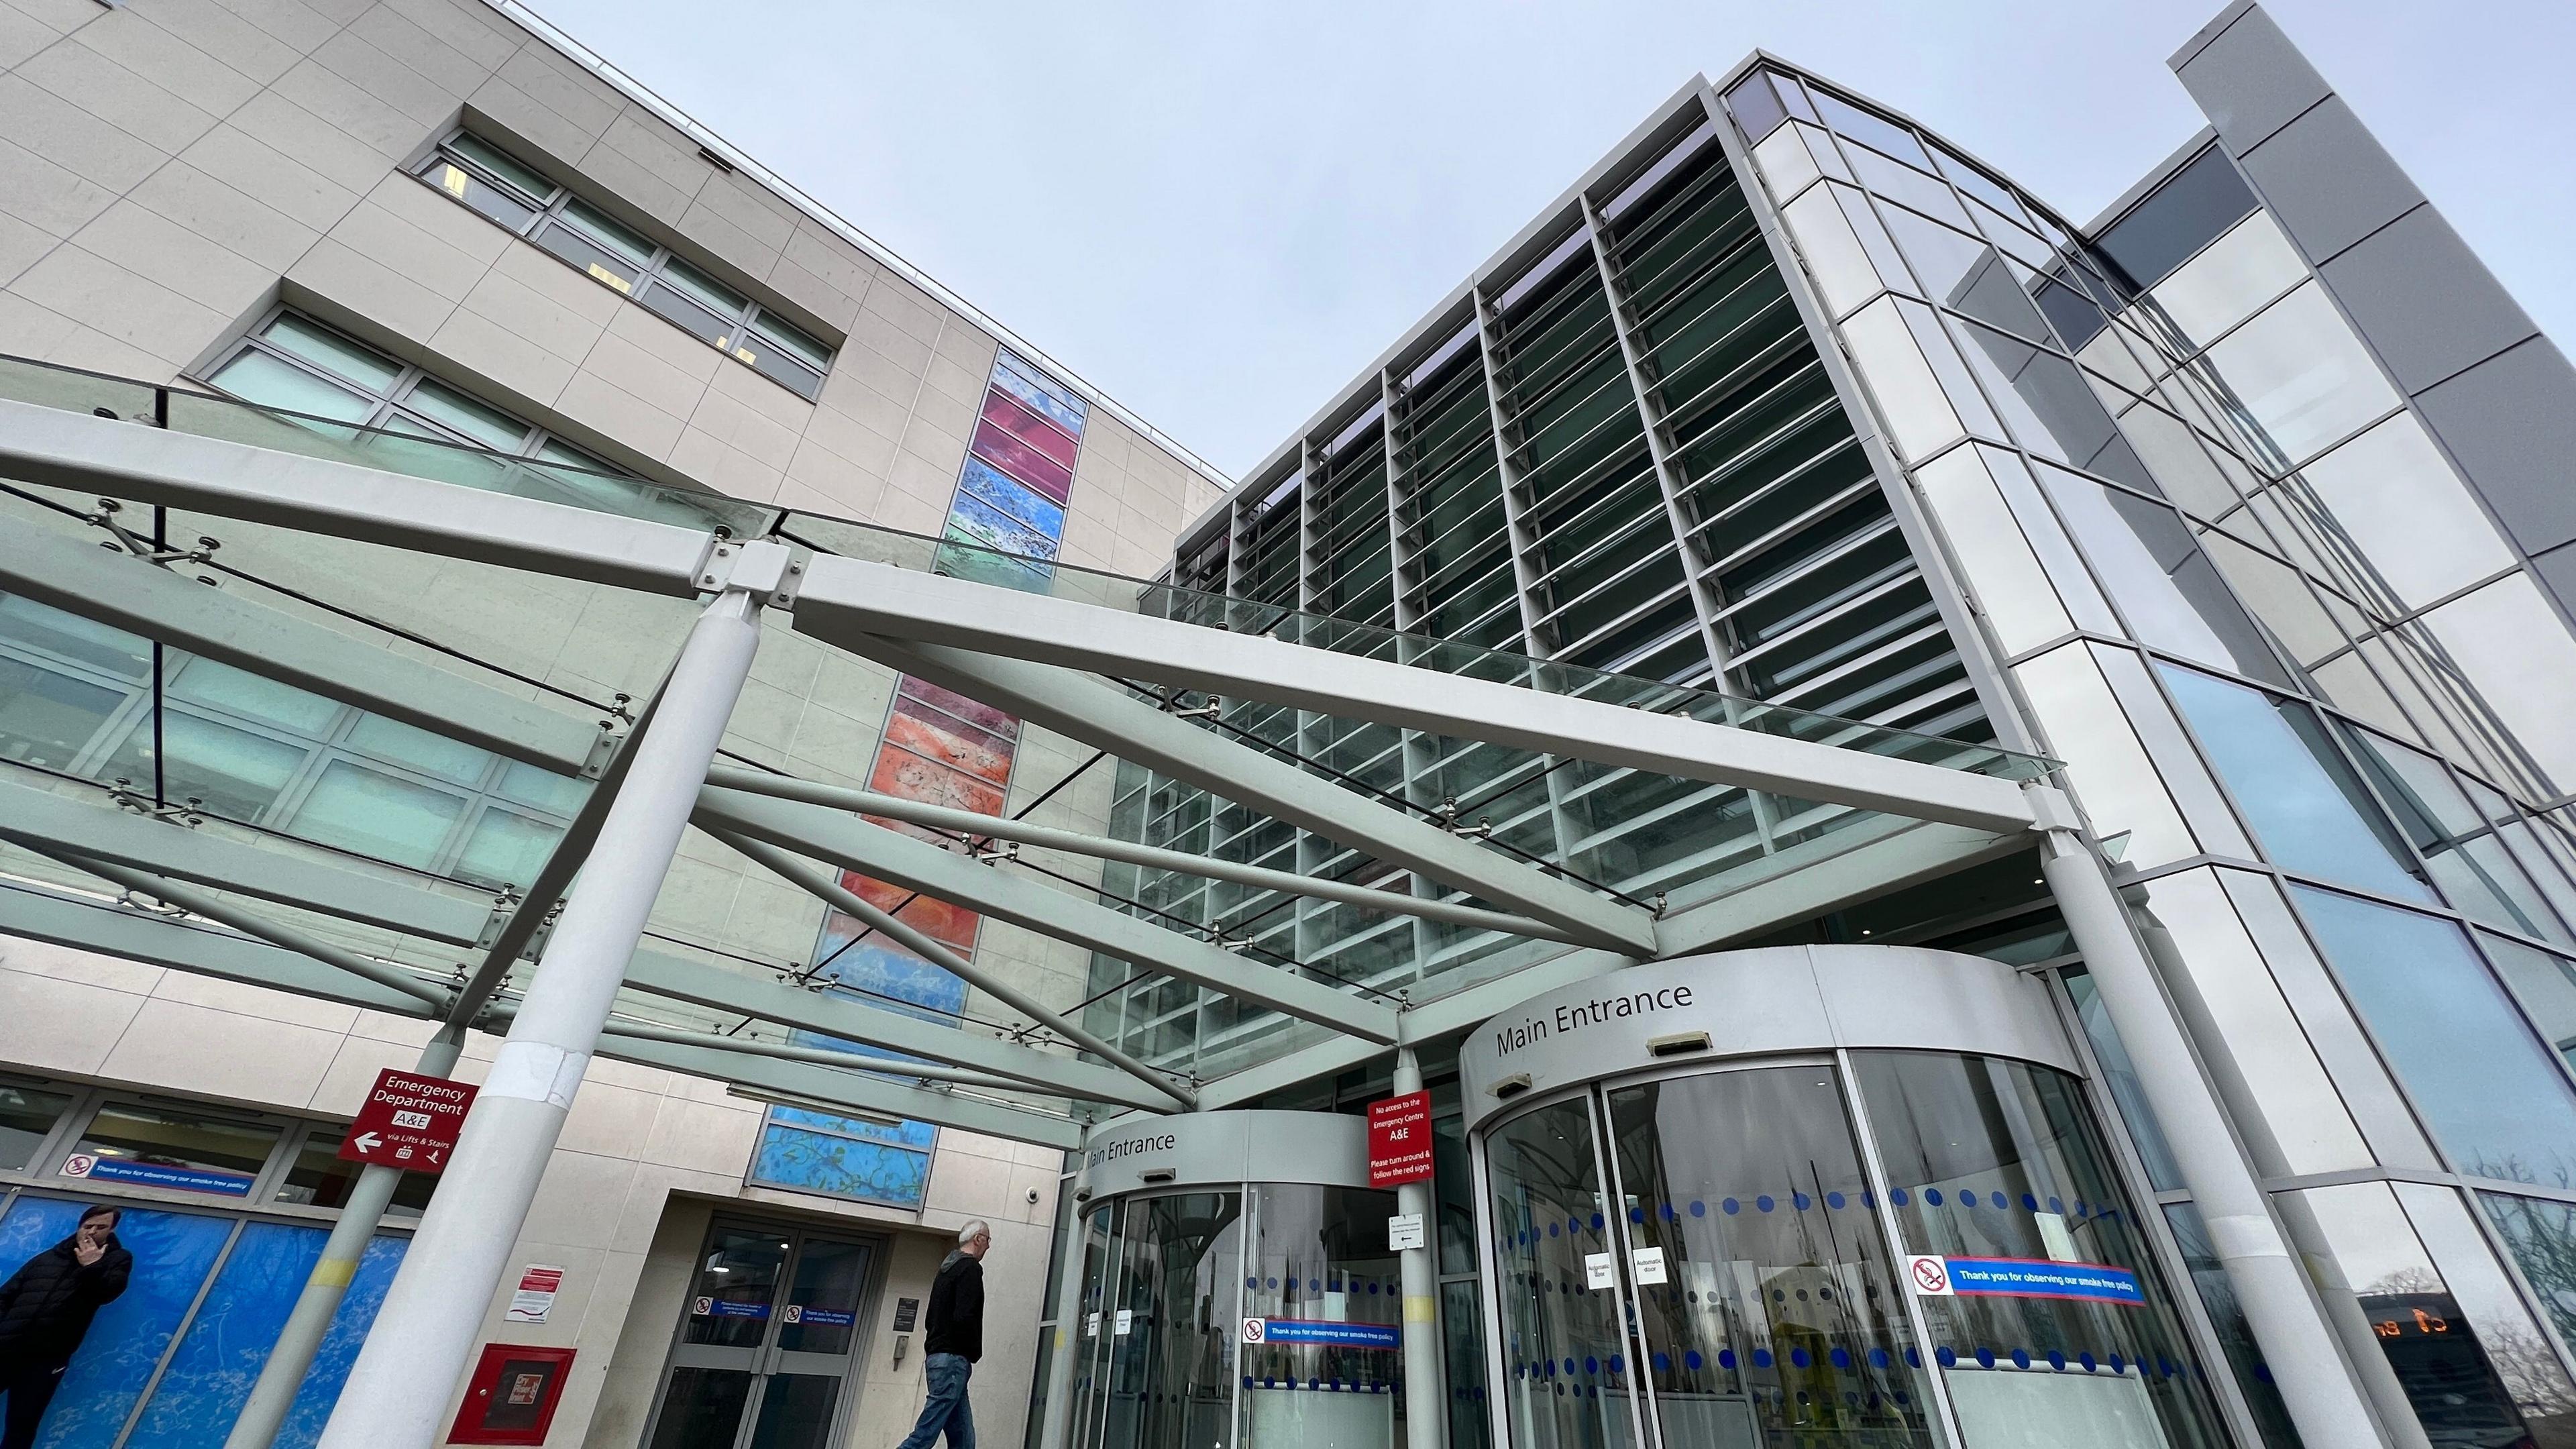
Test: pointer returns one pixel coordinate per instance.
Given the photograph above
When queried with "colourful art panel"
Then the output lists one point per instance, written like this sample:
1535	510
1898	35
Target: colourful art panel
997	530
1012	498
1005	524
1018	421
1023	462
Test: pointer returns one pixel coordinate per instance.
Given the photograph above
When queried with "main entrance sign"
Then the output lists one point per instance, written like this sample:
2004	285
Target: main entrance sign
409	1121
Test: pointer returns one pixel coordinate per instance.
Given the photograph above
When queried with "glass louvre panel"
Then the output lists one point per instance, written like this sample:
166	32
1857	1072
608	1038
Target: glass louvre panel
260	378
333	353
489	426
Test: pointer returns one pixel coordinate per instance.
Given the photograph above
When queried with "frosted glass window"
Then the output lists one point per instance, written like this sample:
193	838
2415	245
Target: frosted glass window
506	849
2167	588
2184	470
1785	162
253	696
430	754
376	814
1918	415
2523	663
2057	555
2236	274
259	378
2278	597
332	352
2113	778
236	773
1843	271
2400	503
2494	1096
487	425
2302	374
1998	561
2303	801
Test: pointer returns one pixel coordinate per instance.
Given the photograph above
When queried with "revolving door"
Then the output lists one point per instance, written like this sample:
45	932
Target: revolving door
1812	1196
1235	1288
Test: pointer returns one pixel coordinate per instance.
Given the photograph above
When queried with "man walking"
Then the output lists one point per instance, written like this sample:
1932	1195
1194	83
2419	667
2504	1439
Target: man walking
45	1309
954	1340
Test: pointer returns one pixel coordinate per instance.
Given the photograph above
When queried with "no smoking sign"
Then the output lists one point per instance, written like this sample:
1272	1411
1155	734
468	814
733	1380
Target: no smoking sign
1929	1274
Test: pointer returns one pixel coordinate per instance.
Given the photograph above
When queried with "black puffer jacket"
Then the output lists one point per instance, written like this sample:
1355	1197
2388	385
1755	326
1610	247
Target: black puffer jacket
46	1306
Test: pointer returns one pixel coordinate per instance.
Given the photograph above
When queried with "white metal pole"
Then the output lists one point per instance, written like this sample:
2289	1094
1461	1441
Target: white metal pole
2316	1382
397	1394
1052	1430
1426	1416
273	1397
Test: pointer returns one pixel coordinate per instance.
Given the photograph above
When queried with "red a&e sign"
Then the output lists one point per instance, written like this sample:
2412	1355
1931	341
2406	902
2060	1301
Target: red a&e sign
410	1121
1399	1139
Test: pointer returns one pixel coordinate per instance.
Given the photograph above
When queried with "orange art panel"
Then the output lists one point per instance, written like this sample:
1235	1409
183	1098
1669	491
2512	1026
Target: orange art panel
946	923
908	776
953	748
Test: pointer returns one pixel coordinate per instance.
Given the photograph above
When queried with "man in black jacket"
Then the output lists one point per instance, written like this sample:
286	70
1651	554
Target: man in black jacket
953	1341
45	1309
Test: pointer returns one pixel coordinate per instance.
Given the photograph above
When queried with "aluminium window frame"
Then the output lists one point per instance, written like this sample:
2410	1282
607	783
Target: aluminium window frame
548	213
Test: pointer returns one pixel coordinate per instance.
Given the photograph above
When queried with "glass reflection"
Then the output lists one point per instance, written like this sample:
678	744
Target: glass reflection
1319	1255
1768	1307
2302	377
1565	1379
1993	1159
1171	1333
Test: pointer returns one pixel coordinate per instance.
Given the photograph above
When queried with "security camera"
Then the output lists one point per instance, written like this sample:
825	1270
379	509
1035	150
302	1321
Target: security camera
1033	1195
1082	1194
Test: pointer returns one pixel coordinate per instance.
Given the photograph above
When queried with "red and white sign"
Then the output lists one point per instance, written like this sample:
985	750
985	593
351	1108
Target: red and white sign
409	1121
1930	1275
1399	1139
538	1284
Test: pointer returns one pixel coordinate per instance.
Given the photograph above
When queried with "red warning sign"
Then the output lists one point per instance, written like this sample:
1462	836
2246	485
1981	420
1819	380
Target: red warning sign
1399	1139
409	1121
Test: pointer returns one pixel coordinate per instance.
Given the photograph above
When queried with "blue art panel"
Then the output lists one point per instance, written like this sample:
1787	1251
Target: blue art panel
883	972
964	556
1050	398
339	1351
228	1342
819	1162
1013	497
173	1253
917	1135
994	529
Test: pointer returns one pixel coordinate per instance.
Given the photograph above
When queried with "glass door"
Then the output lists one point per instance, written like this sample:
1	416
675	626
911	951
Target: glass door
766	1340
1565	1376
1161	1351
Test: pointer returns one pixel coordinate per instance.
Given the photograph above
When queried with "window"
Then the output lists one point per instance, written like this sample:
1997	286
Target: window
321	1178
27	1118
143	1146
619	257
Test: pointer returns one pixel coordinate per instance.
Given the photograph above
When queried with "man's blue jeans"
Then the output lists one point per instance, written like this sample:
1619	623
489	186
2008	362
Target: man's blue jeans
946	1408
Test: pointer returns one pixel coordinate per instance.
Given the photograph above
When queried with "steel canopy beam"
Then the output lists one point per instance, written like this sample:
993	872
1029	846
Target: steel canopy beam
828	1087
968	822
917	865
190	946
717	989
844	599
1089	710
45	822
63	449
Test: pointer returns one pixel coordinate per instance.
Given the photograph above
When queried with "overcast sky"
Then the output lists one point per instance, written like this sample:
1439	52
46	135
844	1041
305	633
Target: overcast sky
1220	213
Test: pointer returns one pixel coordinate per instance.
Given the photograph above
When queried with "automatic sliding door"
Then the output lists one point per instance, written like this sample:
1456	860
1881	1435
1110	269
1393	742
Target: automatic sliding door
1566	1376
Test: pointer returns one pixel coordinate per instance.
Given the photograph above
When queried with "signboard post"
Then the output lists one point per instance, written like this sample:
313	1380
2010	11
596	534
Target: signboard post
1399	1139
409	1121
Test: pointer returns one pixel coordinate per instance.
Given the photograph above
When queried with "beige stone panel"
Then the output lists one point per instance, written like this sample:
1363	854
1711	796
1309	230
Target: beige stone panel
22	244
149	244
489	350
855	688
748	412
349	108
828	304
916	496
220	35
967	345
154	53
964	1181
82	77
563	87
840	455
484	36
578	1201
823	255
956	383
292	23
654	360
216	994
764	719
121	304
949	416
906	306
608	1120
23	35
720	235
528	125
762	214
353	1069
91	350
536	317
221	1053
620	417
53	1024
347	168
72	138
349	278
728	470
804	498
392	35
846	393
223	211
701	1136
552	287
773	920
611	172
88	968
832	746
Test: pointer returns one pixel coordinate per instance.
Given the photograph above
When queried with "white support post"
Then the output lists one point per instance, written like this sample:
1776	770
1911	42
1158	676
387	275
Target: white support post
2289	1324
283	1375
1067	1289
397	1395
1426	1422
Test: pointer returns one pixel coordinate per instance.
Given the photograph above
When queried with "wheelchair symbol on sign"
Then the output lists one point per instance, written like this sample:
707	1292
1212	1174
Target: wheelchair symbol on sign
1254	1329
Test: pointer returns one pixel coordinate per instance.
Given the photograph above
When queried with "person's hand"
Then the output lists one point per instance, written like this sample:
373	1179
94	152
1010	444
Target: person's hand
87	1248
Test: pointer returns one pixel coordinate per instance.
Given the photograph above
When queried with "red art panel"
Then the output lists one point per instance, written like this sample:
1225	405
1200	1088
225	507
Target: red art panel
1005	413
908	776
925	731
949	925
949	701
1023	462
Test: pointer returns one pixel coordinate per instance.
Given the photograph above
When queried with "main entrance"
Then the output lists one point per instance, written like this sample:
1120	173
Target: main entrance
767	1340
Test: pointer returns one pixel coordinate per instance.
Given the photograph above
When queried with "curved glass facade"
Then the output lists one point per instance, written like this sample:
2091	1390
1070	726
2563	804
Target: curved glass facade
1726	1258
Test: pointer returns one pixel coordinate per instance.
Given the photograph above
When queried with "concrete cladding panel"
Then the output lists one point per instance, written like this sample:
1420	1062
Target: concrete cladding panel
2511	423
2247	76
2329	180
2424	299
